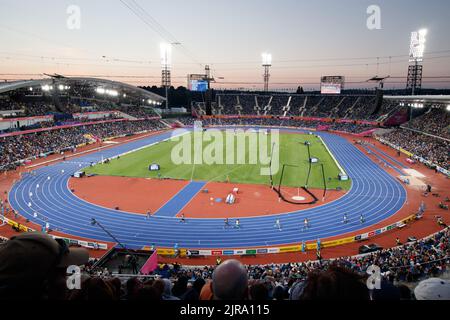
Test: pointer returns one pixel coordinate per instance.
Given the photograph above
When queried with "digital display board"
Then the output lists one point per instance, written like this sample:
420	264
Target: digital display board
199	85
331	84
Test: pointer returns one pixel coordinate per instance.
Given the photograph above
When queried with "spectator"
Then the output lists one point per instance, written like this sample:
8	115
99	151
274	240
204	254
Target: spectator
230	281
30	261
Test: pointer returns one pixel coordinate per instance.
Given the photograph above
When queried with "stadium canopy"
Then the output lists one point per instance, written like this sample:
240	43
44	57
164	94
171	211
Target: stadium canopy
122	88
435	99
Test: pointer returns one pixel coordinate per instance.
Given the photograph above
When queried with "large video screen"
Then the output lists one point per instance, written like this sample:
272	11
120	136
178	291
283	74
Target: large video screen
332	84
327	88
199	85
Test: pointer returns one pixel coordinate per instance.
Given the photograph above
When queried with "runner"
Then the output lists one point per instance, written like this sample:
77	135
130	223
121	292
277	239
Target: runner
305	224
345	219
278	224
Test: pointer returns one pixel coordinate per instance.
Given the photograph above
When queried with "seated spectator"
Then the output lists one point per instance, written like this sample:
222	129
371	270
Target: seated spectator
32	261
433	289
336	283
230	281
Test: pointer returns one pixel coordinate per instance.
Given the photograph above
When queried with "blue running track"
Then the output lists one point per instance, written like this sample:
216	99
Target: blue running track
374	193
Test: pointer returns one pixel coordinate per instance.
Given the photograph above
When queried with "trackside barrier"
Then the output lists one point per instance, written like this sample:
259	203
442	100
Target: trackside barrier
285	249
69	241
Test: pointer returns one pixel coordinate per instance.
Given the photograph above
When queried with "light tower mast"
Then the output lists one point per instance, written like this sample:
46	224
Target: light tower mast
266	63
166	61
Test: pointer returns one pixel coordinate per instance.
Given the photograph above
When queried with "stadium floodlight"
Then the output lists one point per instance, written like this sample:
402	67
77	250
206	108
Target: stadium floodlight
448	107
100	90
46	87
166	55
61	87
266	63
266	59
417	45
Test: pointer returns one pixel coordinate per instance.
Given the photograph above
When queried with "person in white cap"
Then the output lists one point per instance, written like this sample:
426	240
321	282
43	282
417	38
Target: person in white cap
433	289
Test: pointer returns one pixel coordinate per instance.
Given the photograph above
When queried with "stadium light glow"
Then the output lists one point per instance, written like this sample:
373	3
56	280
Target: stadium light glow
166	55
266	59
417	45
112	93
46	87
448	107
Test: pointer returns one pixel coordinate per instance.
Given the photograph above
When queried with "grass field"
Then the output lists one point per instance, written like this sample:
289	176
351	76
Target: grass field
293	153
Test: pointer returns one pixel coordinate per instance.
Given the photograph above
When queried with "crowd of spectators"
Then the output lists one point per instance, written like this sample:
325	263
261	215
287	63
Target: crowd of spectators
435	122
14	149
435	150
324	106
284	122
25	272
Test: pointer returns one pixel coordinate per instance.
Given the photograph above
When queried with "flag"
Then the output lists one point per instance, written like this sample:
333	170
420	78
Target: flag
151	264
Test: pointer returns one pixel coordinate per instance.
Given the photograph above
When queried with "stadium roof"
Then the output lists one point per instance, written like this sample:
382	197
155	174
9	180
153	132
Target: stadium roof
442	99
120	86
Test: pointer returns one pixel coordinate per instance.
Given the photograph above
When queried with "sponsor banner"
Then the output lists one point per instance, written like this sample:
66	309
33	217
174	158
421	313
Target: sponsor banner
345	121
228	252
262	251
250	252
205	252
364	236
409	154
392	226
239	252
165	252
337	242
358	237
371	234
273	250
216	252
193	252
290	249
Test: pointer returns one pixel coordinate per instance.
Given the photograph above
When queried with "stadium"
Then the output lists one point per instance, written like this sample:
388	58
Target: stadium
214	191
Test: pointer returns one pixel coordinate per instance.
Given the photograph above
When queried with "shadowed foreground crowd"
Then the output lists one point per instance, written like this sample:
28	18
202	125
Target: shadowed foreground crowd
34	266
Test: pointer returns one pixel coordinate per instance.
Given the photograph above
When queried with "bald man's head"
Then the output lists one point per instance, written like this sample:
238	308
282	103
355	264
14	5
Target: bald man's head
230	281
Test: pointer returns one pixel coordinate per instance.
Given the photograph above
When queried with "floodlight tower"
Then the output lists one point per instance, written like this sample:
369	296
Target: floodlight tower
416	52
266	63
166	62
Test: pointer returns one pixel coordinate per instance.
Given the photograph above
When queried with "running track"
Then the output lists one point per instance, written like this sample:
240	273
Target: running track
374	193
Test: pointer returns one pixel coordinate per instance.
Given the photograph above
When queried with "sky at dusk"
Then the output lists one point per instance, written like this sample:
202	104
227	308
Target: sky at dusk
307	39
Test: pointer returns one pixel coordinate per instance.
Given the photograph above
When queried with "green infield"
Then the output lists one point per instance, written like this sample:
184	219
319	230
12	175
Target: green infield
293	155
